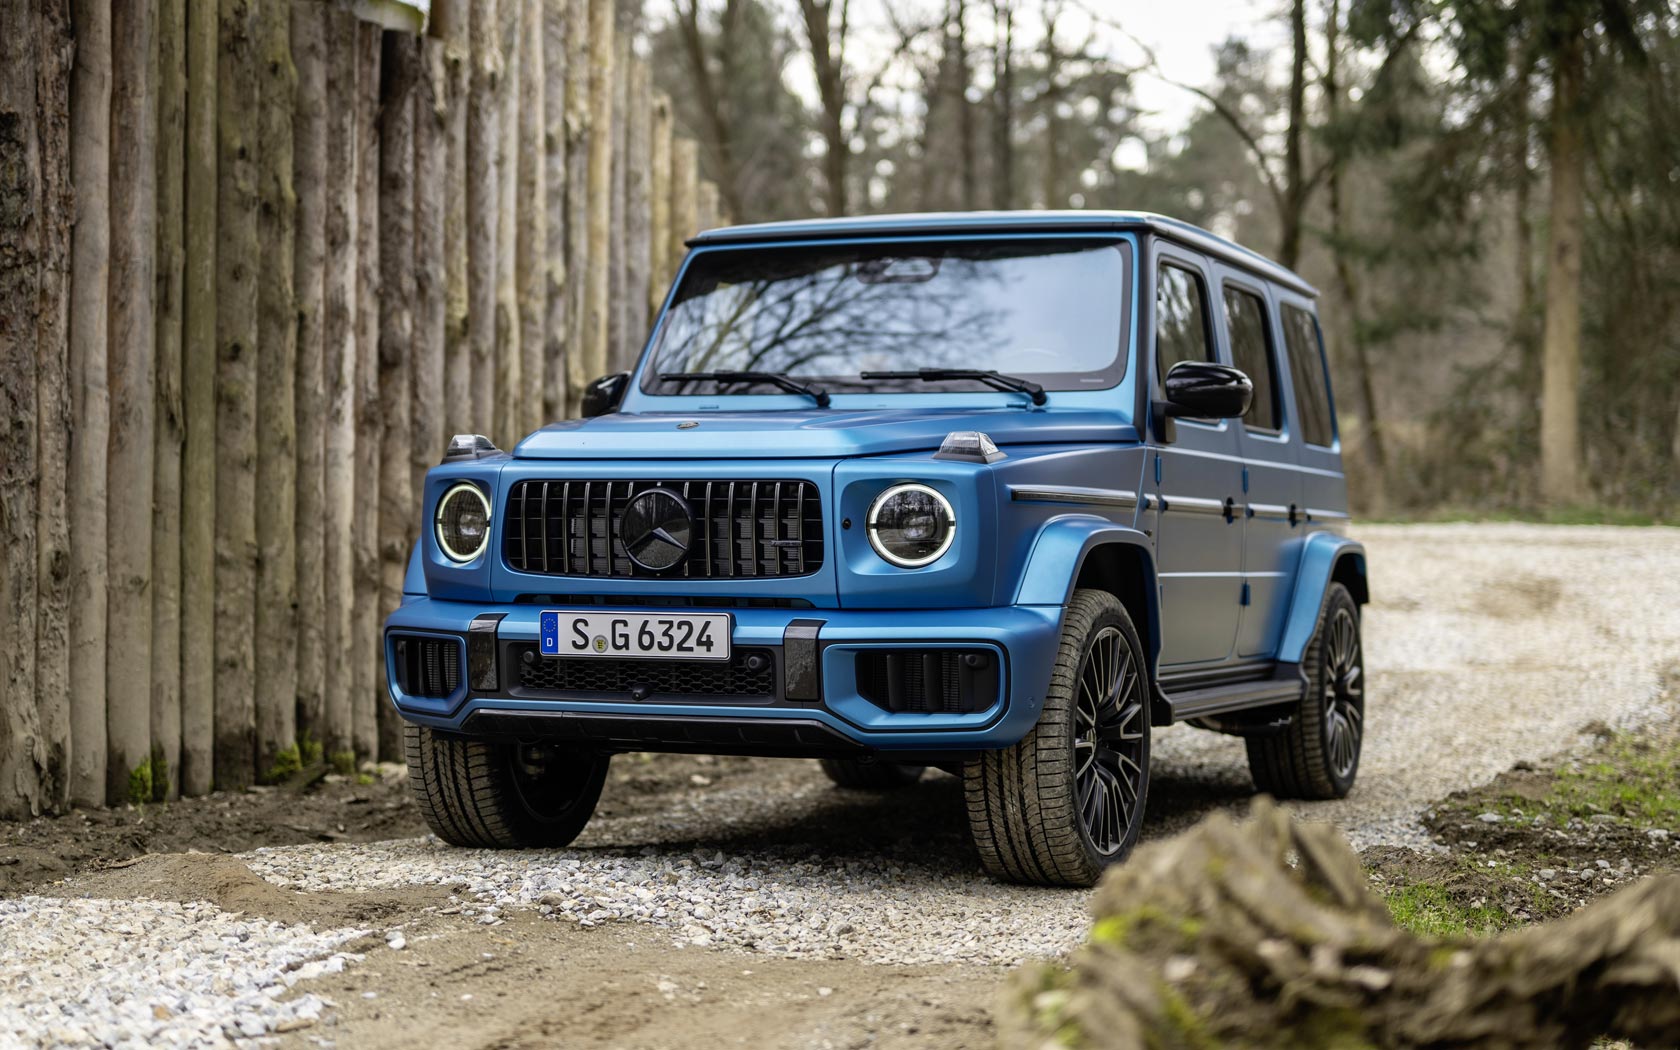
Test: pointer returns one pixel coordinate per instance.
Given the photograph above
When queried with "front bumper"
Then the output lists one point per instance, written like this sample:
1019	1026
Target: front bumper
824	714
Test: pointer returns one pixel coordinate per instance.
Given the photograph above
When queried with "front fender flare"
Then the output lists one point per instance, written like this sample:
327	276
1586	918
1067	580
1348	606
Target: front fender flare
1320	555
1059	554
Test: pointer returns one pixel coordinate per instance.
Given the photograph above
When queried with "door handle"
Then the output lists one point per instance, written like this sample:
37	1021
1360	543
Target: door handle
1294	515
1230	510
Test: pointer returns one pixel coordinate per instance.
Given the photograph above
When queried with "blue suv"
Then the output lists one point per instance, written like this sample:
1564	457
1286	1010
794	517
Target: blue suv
996	493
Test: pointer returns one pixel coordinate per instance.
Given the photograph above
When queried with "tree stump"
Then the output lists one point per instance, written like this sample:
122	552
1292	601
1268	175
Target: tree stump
1265	935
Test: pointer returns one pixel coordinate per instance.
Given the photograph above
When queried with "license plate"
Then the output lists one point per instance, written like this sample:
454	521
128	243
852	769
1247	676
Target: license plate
659	636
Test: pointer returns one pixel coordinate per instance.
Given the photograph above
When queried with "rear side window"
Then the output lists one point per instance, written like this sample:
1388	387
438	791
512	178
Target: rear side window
1251	351
1181	328
1306	369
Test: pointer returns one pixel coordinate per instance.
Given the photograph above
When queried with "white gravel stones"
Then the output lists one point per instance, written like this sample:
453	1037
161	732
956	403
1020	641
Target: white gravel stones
1486	645
145	973
773	901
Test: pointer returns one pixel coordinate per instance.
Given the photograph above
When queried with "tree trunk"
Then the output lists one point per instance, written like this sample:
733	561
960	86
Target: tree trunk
659	202
451	27
600	250
828	56
532	218
309	180
638	198
553	372
338	341
708	96
90	158
169	159
1346	280
1523	222
578	143
54	50
366	663
508	362
1561	481
238	265
276	656
129	477
685	197
708	205
1052	174
396	338
1289	249
198	399
483	194
451	23
1003	104
965	111
23	787
431	164
617	259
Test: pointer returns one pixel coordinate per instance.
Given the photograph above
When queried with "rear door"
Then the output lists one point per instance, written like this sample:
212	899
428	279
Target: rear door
1197	479
1323	486
1271	479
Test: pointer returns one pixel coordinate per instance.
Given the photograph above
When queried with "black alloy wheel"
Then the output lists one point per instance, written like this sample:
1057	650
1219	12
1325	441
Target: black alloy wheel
1109	744
1344	694
1068	799
1317	755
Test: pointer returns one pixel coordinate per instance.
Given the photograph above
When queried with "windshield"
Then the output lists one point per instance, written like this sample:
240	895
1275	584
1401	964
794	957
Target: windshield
1049	311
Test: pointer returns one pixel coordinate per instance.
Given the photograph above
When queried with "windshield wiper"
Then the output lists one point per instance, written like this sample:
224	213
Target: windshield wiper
792	386
991	377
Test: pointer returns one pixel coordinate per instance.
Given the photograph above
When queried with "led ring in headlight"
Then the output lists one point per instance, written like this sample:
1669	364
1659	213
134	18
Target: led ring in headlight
463	522
911	525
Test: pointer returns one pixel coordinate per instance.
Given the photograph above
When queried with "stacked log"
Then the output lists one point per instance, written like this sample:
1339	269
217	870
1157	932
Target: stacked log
302	249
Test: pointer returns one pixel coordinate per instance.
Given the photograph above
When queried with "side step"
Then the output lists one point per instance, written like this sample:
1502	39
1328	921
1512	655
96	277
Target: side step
1282	686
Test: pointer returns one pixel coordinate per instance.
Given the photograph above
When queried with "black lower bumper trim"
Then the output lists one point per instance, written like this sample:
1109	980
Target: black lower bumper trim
761	737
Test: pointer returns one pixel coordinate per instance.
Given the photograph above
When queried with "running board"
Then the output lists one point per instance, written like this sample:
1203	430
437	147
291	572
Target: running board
1284	686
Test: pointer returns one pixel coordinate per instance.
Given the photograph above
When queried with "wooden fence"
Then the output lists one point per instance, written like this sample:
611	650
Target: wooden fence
258	259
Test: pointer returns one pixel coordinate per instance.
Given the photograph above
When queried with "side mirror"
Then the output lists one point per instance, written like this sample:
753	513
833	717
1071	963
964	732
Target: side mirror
1201	390
603	395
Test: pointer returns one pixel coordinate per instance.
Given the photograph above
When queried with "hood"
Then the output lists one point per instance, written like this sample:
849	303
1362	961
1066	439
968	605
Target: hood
816	433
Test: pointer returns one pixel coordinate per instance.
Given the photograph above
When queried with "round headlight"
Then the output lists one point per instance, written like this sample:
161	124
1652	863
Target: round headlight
911	525
463	522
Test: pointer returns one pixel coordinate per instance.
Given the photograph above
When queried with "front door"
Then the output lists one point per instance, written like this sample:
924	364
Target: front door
1197	482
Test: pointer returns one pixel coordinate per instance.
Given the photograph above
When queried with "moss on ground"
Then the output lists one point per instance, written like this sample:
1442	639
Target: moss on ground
1537	843
140	783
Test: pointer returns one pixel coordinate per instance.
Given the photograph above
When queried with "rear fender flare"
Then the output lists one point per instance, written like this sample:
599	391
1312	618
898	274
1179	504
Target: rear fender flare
1325	559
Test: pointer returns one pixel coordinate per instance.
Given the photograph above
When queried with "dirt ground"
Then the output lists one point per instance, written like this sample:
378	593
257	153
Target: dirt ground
528	982
1448	634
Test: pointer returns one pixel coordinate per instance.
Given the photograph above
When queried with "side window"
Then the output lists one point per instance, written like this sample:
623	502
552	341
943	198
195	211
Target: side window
1306	370
1251	351
1181	328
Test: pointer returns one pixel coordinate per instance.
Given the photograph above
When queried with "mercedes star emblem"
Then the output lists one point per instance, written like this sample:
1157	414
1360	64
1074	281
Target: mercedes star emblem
655	529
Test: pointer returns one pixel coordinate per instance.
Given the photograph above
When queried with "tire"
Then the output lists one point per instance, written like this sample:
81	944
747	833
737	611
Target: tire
1043	812
1317	757
497	795
870	776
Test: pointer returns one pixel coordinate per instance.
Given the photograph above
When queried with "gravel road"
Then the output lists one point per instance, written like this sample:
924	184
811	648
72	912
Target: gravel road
1487	645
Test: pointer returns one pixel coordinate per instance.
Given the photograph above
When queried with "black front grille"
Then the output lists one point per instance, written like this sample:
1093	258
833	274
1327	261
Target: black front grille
747	673
944	681
428	667
741	529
